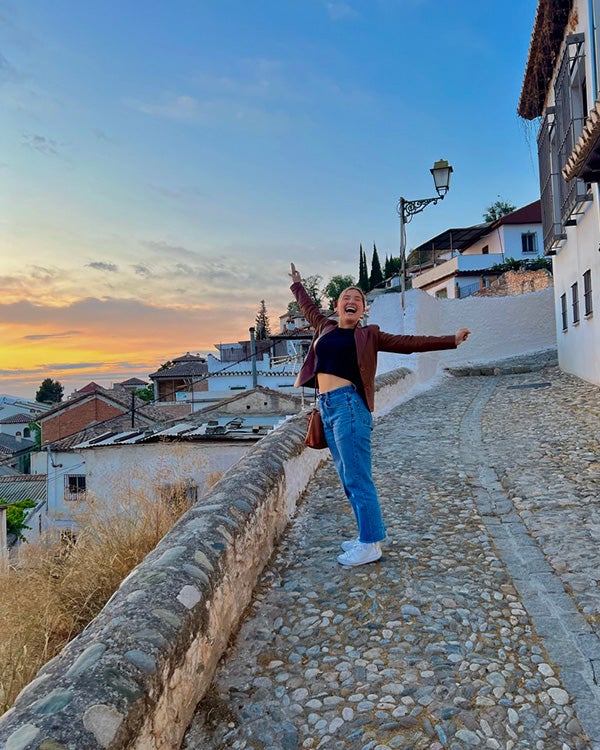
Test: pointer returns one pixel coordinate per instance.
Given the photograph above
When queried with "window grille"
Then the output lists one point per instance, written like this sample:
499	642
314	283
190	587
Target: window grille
553	230
74	487
587	293
563	311
575	302
571	108
178	494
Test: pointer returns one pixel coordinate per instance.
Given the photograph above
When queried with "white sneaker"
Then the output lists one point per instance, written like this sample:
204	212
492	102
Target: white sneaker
361	554
349	544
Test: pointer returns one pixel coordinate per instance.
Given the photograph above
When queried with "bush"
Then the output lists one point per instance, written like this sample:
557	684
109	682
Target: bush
62	582
511	264
15	517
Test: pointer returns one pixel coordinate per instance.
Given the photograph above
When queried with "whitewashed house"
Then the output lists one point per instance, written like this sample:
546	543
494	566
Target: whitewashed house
112	463
460	262
560	87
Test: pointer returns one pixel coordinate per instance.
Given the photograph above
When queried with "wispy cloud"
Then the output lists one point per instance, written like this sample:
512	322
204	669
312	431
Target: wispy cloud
40	143
142	270
102	266
43	336
339	11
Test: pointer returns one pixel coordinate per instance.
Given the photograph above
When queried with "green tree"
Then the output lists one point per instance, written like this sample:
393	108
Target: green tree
335	287
262	327
146	393
363	273
15	517
392	266
376	276
312	284
498	209
49	392
36	434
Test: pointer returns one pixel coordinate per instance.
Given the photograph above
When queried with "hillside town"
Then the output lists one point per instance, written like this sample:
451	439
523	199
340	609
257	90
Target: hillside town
206	411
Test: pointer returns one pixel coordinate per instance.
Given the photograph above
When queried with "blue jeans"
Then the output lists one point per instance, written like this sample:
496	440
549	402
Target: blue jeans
348	423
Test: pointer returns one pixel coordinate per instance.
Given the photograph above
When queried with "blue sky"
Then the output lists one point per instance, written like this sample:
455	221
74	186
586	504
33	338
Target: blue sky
162	162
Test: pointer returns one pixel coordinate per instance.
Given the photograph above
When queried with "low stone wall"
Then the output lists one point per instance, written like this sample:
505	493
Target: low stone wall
133	678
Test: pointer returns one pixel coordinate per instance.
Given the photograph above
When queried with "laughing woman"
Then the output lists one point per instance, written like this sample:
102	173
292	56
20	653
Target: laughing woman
342	362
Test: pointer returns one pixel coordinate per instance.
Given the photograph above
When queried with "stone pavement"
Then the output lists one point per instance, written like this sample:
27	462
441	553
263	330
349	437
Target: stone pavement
478	628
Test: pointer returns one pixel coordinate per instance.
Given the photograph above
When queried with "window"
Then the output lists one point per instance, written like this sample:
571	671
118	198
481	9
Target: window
570	104
560	127
485	250
529	242
575	302
75	487
179	494
587	293
563	311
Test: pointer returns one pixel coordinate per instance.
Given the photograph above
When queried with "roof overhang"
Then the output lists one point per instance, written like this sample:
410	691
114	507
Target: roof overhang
551	19
457	238
584	161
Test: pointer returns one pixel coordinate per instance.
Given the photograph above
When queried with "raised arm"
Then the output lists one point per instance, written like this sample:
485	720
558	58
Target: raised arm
310	311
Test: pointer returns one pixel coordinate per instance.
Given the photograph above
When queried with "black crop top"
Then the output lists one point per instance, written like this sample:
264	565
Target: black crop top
336	355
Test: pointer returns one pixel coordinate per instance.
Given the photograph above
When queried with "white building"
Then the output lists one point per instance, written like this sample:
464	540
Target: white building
460	261
561	87
107	462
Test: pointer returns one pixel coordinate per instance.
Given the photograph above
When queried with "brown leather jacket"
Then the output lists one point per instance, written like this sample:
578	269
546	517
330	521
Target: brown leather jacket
369	341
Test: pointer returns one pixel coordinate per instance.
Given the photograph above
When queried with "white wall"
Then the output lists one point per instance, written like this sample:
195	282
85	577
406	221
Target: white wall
500	327
125	470
579	345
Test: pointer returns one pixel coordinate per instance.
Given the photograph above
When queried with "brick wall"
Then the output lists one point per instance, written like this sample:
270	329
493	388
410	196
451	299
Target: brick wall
76	417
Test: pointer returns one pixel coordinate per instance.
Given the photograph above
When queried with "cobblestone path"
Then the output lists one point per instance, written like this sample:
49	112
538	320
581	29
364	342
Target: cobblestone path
479	626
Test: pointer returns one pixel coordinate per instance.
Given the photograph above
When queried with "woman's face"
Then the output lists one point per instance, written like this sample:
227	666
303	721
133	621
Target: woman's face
350	307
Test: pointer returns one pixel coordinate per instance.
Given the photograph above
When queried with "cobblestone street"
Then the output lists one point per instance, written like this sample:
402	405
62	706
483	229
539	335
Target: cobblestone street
479	627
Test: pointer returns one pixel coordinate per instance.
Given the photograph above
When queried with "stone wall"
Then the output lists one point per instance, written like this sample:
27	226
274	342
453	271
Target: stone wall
133	678
518	282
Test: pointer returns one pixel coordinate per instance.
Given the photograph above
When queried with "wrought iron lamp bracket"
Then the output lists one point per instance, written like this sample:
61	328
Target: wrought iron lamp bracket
407	209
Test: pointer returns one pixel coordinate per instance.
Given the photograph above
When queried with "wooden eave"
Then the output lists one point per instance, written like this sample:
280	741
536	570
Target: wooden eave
551	19
584	161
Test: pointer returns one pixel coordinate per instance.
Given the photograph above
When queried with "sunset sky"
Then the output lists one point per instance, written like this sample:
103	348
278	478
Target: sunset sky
163	162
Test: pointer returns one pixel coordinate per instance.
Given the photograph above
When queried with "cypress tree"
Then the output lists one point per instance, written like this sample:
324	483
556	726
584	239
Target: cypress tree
262	328
363	274
376	276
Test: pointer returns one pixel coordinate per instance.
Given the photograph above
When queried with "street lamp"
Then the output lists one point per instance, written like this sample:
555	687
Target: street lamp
441	172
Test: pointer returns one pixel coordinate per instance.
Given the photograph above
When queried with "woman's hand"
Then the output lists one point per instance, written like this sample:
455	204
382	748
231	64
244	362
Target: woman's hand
296	277
461	335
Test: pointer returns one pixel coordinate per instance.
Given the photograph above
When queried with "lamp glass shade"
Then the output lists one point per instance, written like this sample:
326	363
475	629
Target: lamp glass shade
441	172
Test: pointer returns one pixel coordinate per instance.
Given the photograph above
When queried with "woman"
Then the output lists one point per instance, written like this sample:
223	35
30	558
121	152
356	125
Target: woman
342	362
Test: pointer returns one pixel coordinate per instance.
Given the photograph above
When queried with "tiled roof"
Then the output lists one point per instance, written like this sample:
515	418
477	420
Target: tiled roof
119	396
22	487
293	399
181	370
529	214
10	444
133	381
17	419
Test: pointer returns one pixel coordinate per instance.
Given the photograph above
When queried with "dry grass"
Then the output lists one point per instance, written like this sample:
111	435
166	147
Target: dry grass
59	586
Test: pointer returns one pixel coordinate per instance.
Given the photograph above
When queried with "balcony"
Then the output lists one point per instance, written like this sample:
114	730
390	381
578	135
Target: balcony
459	264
